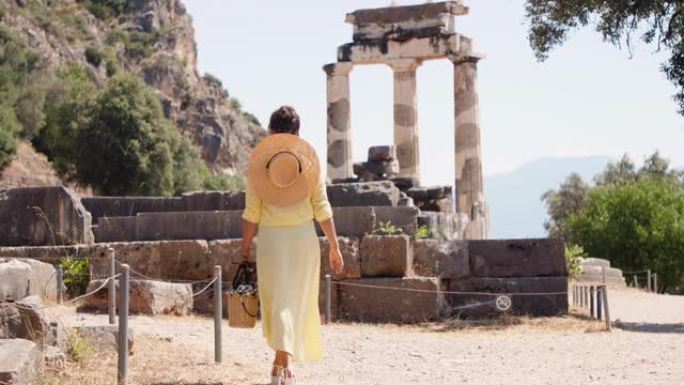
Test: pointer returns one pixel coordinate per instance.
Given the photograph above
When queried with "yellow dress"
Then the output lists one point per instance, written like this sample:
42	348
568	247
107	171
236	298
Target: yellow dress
288	265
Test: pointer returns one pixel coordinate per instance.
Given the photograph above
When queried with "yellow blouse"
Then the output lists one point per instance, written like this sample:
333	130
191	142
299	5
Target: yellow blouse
316	207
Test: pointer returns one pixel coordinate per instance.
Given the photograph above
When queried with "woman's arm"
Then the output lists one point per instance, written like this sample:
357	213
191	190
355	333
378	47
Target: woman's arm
335	256
249	230
250	220
324	216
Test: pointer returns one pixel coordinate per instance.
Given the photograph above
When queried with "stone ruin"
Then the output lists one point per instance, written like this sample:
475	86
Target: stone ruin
182	238
403	37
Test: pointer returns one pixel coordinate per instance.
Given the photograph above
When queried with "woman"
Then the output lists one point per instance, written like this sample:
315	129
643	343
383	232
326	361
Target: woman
285	192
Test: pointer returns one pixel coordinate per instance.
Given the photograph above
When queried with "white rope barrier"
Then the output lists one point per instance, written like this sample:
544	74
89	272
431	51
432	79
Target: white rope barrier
71	300
442	291
205	288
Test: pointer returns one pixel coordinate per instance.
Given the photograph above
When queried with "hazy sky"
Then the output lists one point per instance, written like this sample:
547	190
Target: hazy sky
589	98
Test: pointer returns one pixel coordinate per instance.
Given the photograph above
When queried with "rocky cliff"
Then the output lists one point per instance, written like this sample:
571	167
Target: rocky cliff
154	39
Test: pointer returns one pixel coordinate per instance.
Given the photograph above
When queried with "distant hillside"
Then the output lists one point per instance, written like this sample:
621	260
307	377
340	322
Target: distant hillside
153	39
515	198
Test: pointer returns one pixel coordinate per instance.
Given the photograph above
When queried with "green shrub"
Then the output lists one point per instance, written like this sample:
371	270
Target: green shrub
93	56
76	275
423	232
224	182
387	228
574	256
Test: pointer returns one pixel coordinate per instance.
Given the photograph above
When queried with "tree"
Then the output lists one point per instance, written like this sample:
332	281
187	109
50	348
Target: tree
560	205
619	172
636	226
21	97
125	148
69	106
660	23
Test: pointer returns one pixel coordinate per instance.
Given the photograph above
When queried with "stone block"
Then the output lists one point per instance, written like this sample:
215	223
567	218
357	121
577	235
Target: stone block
596	262
102	337
42	278
116	229
101	206
539	304
186	259
34	322
189	225
405	218
146	297
349	246
55	358
382	193
14	280
517	258
446	260
386	256
352	221
21	362
214	200
598	271
333	301
385	301
380	153
40	216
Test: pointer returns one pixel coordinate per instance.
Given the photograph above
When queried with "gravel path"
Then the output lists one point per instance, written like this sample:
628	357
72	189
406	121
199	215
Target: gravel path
646	347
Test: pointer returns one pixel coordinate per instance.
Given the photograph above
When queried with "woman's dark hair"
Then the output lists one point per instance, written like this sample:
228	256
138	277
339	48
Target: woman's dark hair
284	120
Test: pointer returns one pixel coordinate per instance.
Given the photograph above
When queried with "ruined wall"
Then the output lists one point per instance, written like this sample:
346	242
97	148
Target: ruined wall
40	216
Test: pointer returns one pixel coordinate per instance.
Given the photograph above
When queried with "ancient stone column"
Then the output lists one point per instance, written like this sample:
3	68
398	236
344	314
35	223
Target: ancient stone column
406	118
340	163
468	174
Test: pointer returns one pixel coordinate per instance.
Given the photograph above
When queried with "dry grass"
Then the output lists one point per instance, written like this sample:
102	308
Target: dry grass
156	361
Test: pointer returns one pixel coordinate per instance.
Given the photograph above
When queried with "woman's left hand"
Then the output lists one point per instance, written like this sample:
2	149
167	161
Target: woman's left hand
336	261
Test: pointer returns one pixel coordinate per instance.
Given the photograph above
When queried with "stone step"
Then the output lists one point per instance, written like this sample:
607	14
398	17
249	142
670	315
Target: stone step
598	270
386	256
534	305
596	262
340	195
517	258
387	303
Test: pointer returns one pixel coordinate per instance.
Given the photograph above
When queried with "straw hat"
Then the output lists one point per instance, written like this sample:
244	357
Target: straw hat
283	169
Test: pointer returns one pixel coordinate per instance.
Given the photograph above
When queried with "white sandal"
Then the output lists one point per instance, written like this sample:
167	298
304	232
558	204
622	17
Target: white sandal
277	379
288	380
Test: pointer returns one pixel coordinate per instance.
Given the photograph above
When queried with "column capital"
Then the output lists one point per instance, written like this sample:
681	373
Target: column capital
404	65
338	69
469	57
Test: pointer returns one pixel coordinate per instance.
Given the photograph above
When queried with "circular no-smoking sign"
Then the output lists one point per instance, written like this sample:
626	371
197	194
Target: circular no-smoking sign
503	302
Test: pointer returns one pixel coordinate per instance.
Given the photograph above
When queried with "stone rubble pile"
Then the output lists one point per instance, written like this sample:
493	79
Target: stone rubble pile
27	335
382	164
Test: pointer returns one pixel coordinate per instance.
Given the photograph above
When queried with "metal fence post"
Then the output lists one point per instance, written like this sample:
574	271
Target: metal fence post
123	326
112	287
60	284
655	283
606	310
635	280
218	313
592	305
648	280
328	289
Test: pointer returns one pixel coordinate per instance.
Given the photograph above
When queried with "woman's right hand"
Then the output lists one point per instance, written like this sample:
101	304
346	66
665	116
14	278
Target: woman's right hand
336	261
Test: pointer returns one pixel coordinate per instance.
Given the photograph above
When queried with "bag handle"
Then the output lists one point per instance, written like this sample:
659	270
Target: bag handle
243	276
242	302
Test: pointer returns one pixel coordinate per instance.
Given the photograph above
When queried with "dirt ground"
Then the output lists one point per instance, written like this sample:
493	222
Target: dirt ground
646	346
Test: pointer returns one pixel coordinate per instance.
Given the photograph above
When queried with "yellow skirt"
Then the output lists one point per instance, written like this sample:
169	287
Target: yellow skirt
288	268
